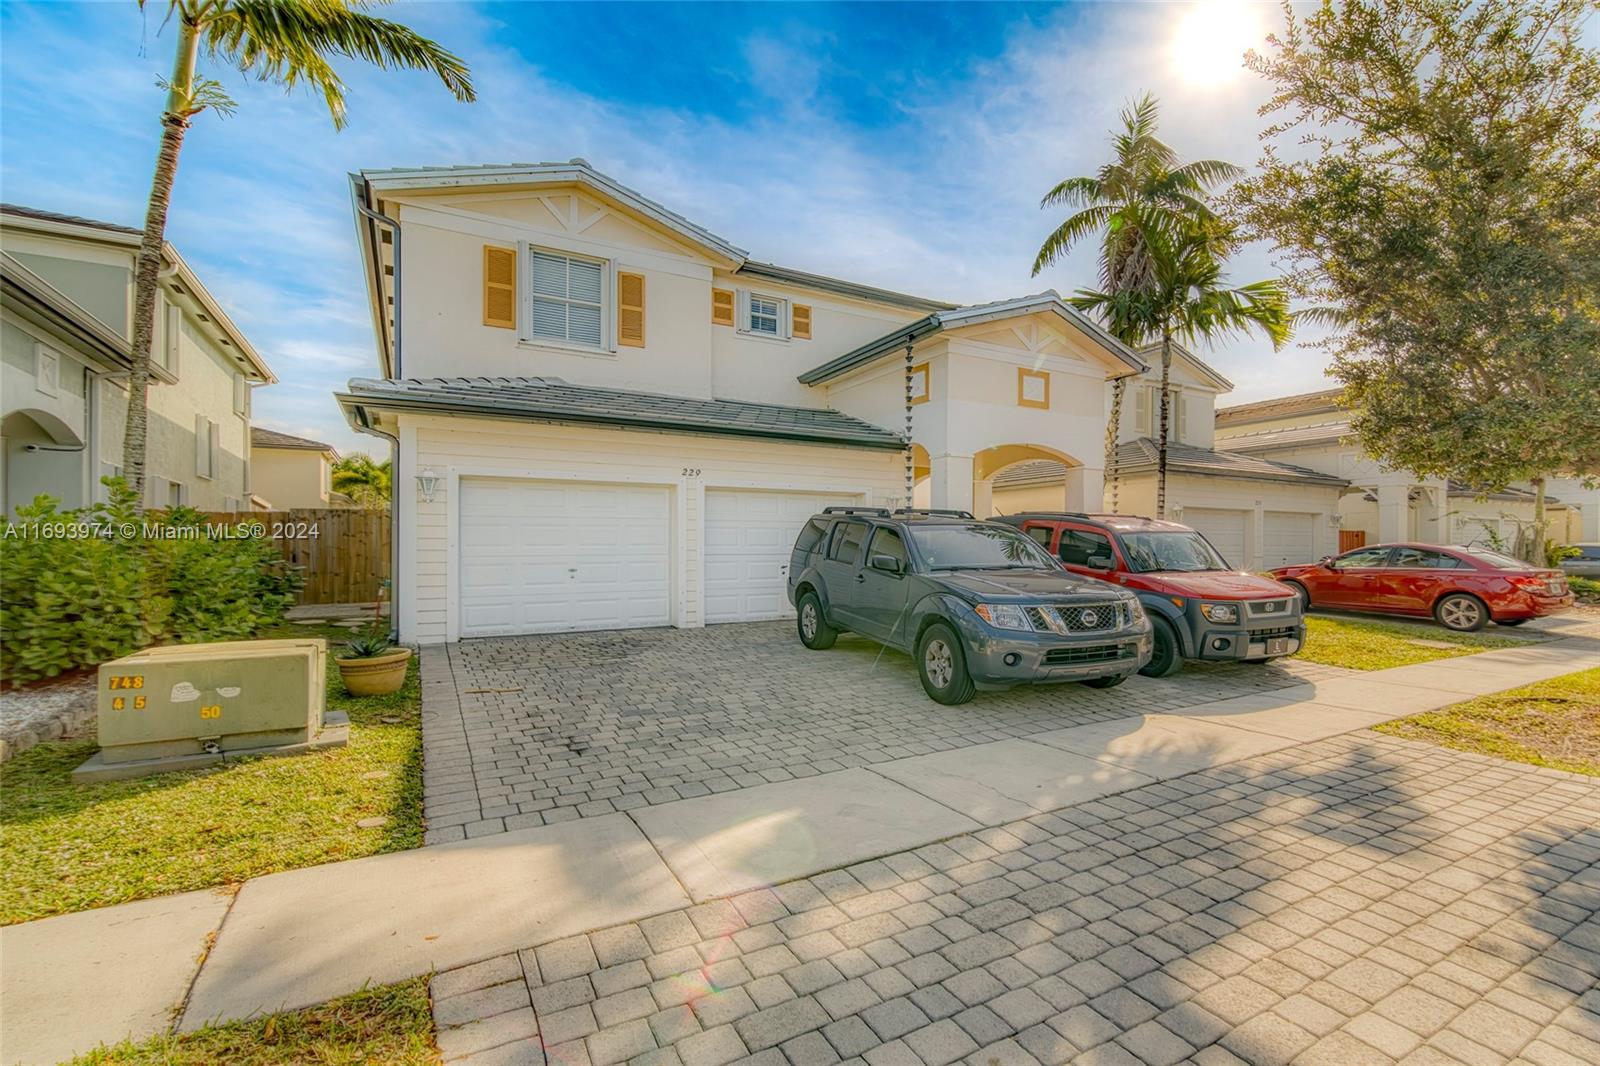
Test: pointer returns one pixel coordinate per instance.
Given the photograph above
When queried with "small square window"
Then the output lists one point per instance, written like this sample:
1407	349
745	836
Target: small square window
766	315
918	384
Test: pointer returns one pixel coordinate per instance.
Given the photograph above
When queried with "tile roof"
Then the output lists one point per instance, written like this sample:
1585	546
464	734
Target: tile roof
552	399
1032	472
1139	455
261	437
1294	436
66	220
1304	403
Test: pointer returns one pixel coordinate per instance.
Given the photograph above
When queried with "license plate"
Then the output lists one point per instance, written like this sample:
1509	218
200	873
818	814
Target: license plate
1278	646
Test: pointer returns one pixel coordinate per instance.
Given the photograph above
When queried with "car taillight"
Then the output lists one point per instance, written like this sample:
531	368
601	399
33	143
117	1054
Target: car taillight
1536	584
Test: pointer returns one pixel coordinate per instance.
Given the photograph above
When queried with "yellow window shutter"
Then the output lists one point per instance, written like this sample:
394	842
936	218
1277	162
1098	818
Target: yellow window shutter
499	287
800	321
630	310
722	307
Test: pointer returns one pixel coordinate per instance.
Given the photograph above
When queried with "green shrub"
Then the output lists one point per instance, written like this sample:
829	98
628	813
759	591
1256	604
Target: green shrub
119	584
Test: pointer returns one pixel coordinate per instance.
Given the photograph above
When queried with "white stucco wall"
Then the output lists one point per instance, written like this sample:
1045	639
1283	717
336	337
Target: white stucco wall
687	464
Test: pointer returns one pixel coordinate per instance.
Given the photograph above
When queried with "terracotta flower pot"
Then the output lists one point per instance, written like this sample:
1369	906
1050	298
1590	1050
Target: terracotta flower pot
375	676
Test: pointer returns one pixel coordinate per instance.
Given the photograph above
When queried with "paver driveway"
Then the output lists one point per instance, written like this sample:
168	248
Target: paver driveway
1362	899
524	731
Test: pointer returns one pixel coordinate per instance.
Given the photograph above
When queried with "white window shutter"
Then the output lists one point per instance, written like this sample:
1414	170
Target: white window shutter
741	321
171	342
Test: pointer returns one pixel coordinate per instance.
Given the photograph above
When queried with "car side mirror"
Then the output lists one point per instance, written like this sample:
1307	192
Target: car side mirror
887	563
1326	560
1101	562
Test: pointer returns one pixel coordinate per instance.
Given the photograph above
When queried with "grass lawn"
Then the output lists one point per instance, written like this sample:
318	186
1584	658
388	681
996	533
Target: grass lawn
392	1024
1363	644
71	847
1554	723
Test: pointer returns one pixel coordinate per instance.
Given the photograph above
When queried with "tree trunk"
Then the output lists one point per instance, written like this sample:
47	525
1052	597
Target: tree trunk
147	268
1538	522
1112	429
1161	442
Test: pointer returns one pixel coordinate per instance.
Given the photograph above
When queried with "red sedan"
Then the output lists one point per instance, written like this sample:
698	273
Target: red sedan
1462	588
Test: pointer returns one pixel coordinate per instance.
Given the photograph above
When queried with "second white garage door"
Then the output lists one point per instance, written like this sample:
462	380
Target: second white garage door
749	536
555	556
1224	529
1289	538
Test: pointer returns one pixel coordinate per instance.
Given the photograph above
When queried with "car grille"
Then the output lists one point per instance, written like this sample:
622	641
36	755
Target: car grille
1081	617
1268	608
1268	634
1093	653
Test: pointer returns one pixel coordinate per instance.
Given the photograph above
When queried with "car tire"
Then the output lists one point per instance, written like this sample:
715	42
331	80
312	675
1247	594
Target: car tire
1461	612
1304	594
812	624
1167	657
1105	682
942	665
1510	621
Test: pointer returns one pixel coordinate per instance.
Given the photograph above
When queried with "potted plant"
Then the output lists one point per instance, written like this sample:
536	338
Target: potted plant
371	665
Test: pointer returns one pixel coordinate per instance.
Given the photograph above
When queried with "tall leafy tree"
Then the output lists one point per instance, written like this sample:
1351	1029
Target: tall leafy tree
1142	190
1432	176
285	42
1189	299
364	481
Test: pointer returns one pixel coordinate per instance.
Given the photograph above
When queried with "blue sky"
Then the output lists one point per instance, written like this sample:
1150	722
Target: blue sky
904	145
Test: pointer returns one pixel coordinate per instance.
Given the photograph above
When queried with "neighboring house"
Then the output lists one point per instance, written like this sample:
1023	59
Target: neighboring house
605	416
1312	430
66	344
1258	512
290	473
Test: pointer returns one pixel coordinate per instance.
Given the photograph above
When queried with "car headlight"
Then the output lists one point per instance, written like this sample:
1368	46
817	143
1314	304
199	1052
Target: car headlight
1220	612
1003	615
1135	611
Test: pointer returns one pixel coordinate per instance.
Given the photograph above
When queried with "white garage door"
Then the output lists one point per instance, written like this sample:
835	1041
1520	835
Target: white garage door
554	556
1290	538
1224	529
749	536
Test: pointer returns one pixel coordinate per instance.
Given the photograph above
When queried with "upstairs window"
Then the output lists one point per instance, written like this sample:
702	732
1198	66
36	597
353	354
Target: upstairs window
766	315
567	299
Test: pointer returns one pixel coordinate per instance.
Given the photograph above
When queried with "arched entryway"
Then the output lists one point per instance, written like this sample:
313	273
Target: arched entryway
968	483
41	456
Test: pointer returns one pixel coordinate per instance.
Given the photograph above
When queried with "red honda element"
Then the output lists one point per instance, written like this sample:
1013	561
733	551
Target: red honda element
1199	606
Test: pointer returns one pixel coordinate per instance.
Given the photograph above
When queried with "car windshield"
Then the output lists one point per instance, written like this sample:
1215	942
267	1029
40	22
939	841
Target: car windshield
1494	559
1184	552
954	547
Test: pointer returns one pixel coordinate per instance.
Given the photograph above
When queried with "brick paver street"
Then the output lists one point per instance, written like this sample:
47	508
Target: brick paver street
525	731
1362	899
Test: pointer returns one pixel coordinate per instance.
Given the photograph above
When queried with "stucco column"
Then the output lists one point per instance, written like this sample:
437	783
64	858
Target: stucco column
1086	489
1430	509
1394	509
983	498
950	481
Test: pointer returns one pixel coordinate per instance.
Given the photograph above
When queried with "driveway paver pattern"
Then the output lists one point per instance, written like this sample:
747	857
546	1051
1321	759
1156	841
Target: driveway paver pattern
526	731
1362	899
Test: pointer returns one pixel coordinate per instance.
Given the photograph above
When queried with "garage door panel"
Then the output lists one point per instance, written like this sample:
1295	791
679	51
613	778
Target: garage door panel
1225	529
542	557
749	536
1289	538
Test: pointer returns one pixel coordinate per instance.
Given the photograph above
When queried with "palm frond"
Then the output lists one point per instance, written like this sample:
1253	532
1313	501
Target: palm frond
1073	191
1069	233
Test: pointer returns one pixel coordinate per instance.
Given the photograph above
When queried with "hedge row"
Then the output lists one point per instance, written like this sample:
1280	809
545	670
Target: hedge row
79	587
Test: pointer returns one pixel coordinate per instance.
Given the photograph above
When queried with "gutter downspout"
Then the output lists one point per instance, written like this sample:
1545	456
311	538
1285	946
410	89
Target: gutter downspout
360	425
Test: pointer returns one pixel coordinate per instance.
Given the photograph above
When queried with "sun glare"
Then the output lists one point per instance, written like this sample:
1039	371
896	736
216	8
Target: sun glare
1211	37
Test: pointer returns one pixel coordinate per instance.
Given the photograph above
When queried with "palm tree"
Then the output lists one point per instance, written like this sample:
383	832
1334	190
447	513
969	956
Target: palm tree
288	43
1188	299
364	481
1143	190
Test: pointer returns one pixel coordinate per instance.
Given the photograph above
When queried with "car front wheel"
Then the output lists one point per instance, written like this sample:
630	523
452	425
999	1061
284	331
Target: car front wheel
943	666
1302	592
1167	658
815	632
1461	612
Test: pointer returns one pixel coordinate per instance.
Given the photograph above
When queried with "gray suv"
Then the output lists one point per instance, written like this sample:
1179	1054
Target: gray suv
979	606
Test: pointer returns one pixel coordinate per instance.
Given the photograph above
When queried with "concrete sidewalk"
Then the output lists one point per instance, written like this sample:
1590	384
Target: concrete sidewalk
303	936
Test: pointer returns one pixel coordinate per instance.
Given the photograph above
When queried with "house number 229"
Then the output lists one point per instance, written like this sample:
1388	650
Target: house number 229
691	471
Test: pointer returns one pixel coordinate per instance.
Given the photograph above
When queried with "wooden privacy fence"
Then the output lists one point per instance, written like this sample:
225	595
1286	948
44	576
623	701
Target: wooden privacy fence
343	553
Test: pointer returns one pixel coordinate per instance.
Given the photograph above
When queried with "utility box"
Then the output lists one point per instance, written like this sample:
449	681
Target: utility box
197	705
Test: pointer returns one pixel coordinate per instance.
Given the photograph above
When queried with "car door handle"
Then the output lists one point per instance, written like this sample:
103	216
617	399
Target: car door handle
861	577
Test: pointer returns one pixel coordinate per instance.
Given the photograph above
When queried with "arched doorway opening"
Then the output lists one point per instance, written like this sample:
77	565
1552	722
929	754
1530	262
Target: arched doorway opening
42	456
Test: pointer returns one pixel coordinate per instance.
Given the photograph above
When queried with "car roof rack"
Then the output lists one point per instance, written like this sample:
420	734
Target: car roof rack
876	512
939	511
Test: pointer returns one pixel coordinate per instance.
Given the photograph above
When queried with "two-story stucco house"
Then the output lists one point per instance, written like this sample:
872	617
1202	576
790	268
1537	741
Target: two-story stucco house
290	473
1384	505
605	416
66	346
